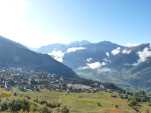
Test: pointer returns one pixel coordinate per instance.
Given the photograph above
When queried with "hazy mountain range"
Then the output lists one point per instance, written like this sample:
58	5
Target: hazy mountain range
14	55
103	61
106	61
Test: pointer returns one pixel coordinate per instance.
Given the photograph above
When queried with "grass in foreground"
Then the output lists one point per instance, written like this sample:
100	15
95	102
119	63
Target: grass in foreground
56	102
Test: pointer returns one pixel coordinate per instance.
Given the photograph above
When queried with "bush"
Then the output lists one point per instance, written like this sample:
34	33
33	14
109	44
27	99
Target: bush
116	106
64	110
99	104
34	107
149	104
53	105
45	110
25	105
133	103
48	104
3	106
43	102
15	105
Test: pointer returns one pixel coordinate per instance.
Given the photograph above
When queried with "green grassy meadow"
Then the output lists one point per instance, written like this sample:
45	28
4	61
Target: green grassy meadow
100	102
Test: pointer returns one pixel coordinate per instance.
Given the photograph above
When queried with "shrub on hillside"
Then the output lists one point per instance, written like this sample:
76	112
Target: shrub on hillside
53	105
3	106
133	102
45	110
64	110
15	105
99	104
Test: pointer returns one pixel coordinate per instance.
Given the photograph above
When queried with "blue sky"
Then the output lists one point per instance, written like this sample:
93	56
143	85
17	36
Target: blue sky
39	22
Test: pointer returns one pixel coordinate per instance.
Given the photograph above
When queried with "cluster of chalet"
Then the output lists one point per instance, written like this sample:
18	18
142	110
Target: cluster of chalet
30	80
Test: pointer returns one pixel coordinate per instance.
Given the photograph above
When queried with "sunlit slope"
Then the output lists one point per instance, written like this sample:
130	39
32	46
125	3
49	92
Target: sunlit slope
101	102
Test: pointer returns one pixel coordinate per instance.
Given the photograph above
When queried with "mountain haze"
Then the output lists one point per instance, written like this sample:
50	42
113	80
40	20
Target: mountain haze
14	55
107	61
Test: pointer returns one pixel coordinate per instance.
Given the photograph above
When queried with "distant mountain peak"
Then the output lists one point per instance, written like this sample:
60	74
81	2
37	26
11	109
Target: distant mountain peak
80	43
109	43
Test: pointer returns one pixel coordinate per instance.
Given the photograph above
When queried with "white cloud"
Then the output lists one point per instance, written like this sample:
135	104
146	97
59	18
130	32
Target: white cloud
107	54
143	55
89	59
58	55
126	51
96	65
74	49
116	51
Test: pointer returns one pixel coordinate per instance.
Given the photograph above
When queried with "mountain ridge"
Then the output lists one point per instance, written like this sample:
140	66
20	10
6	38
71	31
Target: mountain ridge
109	61
16	55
